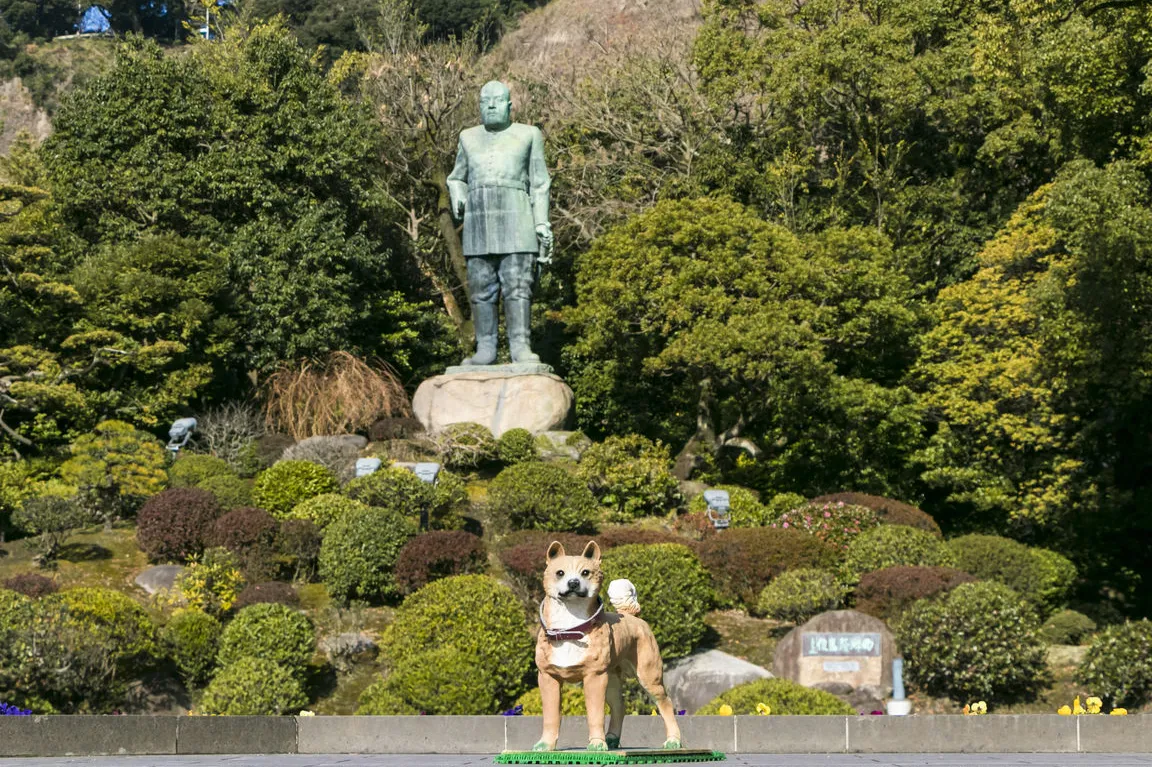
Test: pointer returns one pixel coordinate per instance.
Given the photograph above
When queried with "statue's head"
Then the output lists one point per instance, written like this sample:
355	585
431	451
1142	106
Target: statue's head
495	105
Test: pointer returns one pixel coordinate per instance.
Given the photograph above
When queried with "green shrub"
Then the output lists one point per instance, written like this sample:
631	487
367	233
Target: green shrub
15	485
459	645
191	639
51	520
359	552
636	700
465	445
1042	577
893	546
745	508
980	642
231	492
782	502
631	476
401	491
887	593
272	632
516	446
783	696
797	595
325	509
837	524
11	603
298	547
541	496
283	485
1118	665
211	582
743	561
116	468
189	470
1067	627
114	620
672	587
253	687
889	511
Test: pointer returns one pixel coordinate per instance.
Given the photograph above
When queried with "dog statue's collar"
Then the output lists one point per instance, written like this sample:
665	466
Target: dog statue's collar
579	631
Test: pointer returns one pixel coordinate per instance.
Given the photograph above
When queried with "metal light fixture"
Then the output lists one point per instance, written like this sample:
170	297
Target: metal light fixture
180	433
718	508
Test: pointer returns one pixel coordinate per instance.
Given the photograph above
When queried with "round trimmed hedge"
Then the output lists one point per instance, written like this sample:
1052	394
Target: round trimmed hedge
541	496
173	525
324	509
890	512
516	446
359	552
673	588
893	546
887	593
230	491
467	445
400	490
836	524
439	554
459	645
272	632
743	561
1118	665
189	470
253	687
745	507
111	619
783	696
286	483
192	639
1067	627
980	642
797	595
631	477
1041	576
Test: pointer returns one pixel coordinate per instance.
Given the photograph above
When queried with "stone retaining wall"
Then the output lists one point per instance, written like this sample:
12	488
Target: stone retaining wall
105	735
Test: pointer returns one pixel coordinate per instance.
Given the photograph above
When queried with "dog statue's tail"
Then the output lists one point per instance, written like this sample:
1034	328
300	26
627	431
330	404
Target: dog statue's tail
622	595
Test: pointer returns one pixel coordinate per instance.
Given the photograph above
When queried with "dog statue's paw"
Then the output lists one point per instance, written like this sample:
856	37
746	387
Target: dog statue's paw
672	743
597	745
543	746
613	741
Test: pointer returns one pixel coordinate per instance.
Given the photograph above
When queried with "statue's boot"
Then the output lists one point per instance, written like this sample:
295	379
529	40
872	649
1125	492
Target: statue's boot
484	318
518	316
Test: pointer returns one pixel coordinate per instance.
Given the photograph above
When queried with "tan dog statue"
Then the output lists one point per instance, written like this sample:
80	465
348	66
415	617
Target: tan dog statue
580	642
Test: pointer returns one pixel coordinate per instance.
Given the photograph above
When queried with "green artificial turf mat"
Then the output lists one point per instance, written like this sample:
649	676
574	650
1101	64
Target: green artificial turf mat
620	756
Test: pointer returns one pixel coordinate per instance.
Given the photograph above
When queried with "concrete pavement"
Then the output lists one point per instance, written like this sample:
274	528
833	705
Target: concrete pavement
473	760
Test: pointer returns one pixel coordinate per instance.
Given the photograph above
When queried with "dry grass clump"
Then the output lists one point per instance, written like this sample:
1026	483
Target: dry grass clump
339	395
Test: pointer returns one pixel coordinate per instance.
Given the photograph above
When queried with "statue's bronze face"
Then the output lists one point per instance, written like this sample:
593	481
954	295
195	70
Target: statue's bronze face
495	105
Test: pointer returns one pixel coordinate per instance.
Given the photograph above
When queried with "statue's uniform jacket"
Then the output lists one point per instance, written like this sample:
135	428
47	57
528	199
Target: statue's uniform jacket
503	178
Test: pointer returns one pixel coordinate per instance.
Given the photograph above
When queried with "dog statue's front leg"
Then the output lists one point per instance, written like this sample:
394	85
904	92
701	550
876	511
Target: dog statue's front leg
550	698
595	690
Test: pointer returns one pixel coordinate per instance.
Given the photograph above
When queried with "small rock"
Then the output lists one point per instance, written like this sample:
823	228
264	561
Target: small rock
695	680
158	578
836	688
344	649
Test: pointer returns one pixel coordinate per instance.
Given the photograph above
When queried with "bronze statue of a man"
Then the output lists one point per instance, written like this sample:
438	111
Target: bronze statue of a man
500	188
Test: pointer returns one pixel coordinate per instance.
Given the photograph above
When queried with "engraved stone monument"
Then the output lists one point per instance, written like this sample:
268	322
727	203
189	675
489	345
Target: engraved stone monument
838	649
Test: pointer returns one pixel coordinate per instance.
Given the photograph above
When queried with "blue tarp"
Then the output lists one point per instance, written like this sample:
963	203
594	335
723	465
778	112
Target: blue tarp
95	20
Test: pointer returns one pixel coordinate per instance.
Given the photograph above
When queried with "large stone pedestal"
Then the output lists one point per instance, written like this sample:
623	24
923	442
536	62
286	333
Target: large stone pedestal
501	397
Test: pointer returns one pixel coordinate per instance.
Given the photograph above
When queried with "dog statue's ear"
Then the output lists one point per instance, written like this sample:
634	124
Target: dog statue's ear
592	551
555	550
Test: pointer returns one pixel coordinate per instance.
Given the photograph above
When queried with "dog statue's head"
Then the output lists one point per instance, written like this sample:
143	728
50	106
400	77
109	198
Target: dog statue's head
572	577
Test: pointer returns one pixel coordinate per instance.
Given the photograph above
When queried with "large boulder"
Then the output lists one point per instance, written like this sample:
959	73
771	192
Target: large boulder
694	680
498	399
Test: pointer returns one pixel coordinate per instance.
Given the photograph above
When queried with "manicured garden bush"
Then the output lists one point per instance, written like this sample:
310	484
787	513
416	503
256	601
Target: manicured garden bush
887	593
270	592
335	453
980	642
175	524
744	560
250	534
836	524
113	620
212	581
359	552
541	496
614	536
636	700
673	588
190	469
784	697
116	467
745	507
694	525
11	602
283	485
465	445
630	476
32	585
461	646
895	545
439	554
1042	577
51	520
231	491
298	548
1118	665
191	639
272	632
401	491
516	446
1067	627
325	509
797	595
890	512
253	687
524	559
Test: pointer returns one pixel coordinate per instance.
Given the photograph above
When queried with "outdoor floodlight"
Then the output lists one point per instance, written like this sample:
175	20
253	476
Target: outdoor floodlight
180	433
718	508
366	466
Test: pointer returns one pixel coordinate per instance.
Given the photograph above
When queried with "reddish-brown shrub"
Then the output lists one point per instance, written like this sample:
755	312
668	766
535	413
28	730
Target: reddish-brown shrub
524	552
250	534
31	585
298	547
276	592
890	512
611	537
887	593
695	525
744	560
174	525
439	554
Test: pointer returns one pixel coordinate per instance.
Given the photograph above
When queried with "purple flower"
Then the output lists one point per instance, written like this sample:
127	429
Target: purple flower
9	710
517	710
682	712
